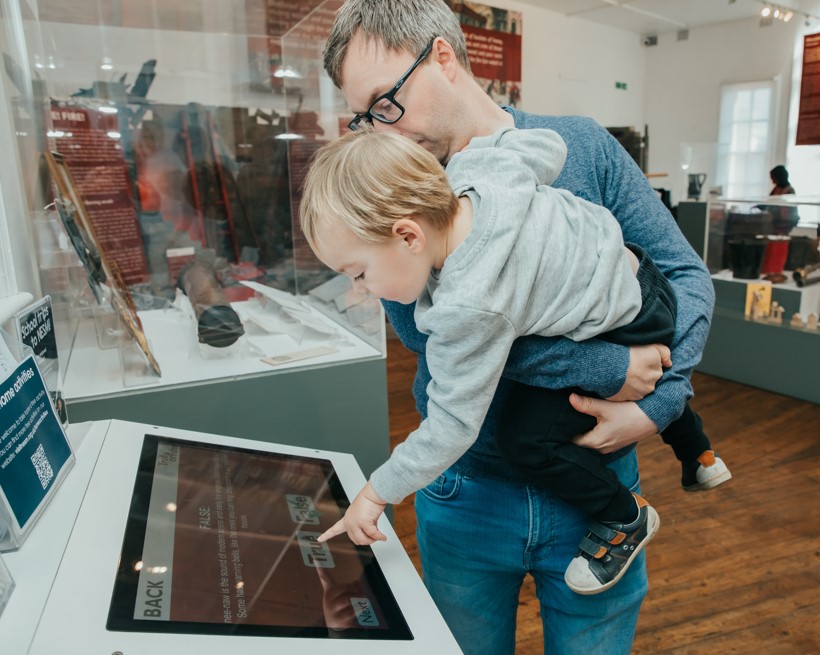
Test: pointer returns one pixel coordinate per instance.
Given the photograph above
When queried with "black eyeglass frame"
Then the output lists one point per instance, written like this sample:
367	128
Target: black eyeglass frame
368	117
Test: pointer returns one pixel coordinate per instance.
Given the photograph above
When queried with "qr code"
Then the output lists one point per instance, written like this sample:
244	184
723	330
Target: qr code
42	466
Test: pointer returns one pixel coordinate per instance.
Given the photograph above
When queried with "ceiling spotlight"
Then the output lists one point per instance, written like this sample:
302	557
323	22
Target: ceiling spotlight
766	11
788	16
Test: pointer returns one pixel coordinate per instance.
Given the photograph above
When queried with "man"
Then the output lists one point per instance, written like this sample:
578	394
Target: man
402	66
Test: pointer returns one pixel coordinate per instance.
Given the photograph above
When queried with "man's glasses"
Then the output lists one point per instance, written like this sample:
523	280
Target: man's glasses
385	109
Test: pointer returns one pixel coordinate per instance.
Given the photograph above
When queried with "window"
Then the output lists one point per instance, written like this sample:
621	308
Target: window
744	139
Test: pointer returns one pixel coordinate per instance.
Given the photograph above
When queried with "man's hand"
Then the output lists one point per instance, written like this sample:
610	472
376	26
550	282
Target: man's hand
360	519
646	364
619	424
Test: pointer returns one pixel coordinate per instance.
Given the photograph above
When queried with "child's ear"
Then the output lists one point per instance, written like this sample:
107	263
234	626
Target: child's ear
411	233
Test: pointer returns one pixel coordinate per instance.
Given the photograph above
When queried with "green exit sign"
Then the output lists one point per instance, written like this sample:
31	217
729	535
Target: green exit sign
620	85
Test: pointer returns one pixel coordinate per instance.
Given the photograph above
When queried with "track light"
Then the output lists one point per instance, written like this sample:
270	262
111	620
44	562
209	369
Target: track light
771	12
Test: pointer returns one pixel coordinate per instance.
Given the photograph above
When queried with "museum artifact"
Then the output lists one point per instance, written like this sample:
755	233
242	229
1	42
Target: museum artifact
807	275
218	325
696	181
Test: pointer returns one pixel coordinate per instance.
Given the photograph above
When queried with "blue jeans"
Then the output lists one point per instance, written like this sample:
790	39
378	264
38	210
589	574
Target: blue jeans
479	538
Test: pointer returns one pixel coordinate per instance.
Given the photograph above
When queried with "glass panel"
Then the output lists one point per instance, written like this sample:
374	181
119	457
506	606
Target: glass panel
181	130
744	129
757	173
742	106
740	137
761	104
727	102
737	169
759	136
317	113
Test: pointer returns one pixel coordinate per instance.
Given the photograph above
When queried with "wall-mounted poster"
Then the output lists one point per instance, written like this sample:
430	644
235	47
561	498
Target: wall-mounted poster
808	119
494	47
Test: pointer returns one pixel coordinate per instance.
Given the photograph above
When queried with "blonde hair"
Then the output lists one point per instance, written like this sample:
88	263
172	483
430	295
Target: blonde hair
399	24
368	180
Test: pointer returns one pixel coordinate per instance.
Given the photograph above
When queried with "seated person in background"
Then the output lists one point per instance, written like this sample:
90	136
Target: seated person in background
499	255
785	218
780	178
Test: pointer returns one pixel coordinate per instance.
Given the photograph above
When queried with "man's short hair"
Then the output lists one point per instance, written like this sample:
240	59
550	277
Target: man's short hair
368	180
399	24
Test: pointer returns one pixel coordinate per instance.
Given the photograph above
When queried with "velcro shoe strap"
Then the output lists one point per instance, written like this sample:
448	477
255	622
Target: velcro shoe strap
594	549
607	534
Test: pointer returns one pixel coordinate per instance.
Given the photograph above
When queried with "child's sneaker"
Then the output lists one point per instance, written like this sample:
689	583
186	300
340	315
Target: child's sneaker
706	472
608	549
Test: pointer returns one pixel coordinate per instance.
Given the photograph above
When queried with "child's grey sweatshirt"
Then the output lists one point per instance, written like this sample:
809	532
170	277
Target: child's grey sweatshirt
537	260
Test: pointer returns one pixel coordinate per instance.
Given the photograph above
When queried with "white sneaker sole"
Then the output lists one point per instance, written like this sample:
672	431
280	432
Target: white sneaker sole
722	474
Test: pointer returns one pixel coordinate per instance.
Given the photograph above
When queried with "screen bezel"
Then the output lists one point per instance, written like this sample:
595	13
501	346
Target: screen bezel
124	595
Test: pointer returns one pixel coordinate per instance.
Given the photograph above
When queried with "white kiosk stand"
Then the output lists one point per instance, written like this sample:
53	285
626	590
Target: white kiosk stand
171	541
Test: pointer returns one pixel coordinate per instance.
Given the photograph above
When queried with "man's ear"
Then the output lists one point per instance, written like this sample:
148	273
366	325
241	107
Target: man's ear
411	233
444	55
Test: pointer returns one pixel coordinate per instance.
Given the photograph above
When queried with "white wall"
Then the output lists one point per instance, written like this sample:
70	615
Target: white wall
570	66
683	80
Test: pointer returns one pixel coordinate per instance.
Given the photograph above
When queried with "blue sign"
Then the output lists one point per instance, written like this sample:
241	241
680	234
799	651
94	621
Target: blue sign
33	446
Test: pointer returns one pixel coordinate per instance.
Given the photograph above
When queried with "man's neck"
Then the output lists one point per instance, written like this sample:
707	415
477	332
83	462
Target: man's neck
484	118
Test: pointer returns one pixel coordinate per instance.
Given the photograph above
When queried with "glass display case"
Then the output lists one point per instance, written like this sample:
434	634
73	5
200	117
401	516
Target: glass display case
770	243
765	265
161	148
150	137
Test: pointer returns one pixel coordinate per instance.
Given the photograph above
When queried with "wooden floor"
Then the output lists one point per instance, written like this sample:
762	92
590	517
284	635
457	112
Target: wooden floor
735	570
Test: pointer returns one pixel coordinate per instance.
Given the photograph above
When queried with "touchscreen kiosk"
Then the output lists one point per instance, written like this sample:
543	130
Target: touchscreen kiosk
221	540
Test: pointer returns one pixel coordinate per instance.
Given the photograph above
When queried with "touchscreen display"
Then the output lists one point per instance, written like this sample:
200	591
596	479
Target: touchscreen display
222	540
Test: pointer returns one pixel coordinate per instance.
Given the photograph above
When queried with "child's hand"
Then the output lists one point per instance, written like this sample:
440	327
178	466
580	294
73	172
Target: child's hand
646	364
360	519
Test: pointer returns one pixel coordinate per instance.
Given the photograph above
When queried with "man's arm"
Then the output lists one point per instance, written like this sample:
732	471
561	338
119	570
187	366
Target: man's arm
646	222
601	171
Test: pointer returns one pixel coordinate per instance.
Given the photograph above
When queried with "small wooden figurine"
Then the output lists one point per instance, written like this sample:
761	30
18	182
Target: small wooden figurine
797	321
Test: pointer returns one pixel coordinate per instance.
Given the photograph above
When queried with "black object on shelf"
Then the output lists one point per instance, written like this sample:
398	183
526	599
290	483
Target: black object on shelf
746	255
218	325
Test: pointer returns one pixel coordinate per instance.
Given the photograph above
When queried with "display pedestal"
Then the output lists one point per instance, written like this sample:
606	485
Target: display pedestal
66	570
337	401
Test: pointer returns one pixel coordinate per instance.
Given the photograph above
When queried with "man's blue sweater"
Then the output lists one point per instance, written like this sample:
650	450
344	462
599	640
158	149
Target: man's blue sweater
597	169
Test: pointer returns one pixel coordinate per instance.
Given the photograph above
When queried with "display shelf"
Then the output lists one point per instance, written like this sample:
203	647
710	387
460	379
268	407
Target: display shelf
731	294
763	352
775	357
93	373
